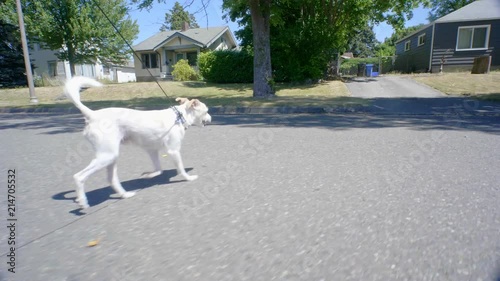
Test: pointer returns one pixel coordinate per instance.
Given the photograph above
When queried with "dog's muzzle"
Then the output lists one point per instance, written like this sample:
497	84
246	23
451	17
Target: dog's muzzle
207	120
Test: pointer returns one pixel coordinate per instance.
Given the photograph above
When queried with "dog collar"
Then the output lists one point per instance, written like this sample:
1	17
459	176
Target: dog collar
180	118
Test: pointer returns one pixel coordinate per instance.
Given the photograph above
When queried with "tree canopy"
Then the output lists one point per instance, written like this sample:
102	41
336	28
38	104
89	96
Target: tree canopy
440	8
78	30
363	43
175	19
306	34
12	68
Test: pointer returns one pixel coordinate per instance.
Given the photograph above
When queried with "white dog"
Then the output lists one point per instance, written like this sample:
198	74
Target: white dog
153	130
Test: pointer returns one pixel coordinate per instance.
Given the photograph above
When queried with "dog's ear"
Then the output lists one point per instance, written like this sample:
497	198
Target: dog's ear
182	100
193	103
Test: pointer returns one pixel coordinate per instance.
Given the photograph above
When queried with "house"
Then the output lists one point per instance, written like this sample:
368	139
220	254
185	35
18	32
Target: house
46	63
161	51
453	41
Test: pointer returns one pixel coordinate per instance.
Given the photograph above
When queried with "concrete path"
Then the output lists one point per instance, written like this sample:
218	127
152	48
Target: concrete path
402	95
390	87
280	197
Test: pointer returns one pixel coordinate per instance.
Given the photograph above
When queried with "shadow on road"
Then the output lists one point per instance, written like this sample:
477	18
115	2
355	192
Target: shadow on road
53	123
101	195
446	113
346	122
449	113
361	80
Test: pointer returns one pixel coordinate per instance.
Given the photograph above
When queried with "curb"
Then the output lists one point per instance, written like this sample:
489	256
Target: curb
228	110
217	110
235	110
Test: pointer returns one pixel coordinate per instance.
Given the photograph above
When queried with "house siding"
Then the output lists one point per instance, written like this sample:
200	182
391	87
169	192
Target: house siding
417	58
445	42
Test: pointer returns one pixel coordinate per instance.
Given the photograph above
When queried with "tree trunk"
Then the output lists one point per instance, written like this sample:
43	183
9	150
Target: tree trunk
262	71
71	59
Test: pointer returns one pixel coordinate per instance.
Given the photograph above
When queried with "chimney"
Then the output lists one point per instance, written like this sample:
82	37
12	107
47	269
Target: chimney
185	26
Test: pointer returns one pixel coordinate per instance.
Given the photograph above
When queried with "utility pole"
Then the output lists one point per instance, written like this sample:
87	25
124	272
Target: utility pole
27	63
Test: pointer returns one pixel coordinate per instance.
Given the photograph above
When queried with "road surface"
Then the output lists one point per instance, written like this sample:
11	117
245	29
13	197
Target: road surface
280	197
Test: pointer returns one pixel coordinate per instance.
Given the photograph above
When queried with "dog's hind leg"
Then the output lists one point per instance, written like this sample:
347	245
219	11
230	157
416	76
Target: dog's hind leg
95	165
176	155
115	182
156	163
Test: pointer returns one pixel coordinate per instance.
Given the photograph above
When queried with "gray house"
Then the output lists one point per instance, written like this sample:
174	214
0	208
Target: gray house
161	51
454	40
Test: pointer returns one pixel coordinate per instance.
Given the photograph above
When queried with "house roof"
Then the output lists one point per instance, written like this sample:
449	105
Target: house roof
200	36
413	33
477	10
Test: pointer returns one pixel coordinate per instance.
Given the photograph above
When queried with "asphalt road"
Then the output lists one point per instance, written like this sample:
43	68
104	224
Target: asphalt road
280	197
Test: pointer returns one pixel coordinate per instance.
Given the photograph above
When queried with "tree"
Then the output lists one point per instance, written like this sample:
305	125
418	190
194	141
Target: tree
306	34
176	18
441	8
363	42
12	69
79	31
255	18
263	83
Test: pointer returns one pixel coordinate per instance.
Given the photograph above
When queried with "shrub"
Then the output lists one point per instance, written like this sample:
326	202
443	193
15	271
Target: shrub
184	72
226	66
350	66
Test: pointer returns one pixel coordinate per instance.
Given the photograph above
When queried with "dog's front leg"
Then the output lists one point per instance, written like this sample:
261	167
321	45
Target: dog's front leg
153	154
176	155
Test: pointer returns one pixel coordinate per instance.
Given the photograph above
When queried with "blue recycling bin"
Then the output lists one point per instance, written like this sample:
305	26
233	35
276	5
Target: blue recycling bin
369	70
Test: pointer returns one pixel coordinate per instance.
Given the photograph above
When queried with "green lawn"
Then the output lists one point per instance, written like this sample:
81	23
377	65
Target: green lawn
483	86
331	93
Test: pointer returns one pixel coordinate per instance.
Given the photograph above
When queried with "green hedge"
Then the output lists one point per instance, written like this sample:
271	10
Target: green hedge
226	66
352	63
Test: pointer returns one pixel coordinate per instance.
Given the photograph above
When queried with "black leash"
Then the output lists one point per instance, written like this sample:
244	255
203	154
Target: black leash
133	51
180	117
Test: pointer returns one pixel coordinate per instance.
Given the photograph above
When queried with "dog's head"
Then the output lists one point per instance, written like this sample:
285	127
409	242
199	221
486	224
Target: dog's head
197	111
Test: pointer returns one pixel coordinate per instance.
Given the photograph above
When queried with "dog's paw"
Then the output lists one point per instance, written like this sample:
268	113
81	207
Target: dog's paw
148	175
127	194
191	178
82	202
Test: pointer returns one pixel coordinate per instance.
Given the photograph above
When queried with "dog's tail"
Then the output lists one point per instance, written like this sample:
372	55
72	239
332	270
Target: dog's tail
72	91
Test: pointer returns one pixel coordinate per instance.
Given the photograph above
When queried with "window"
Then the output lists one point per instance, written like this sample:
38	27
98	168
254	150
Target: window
192	57
52	68
421	39
149	60
473	37
105	70
407	46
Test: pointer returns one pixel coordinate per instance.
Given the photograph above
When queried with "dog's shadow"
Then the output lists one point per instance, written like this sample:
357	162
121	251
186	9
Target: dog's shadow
100	195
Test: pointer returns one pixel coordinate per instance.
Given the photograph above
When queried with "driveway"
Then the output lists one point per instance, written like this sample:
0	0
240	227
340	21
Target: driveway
403	95
390	87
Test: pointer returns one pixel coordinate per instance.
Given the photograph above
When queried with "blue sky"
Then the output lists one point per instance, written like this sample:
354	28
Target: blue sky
151	21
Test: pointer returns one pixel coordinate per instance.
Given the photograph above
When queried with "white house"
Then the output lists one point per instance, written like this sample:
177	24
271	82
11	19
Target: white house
46	63
161	51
